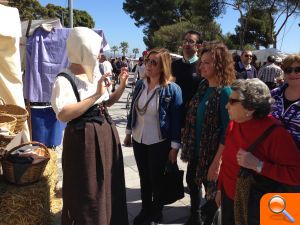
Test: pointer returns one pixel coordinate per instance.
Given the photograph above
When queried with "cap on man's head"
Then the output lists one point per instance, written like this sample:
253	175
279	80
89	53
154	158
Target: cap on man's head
141	59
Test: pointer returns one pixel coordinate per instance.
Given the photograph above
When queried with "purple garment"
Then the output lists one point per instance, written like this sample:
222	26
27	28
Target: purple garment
46	56
290	117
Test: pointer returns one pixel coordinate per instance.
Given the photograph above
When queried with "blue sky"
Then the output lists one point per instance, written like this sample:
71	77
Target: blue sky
118	26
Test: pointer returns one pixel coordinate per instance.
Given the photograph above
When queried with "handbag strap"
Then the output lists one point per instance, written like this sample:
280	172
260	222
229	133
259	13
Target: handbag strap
74	87
268	131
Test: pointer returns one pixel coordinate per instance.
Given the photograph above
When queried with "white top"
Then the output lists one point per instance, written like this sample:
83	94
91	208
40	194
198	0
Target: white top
147	129
107	67
63	94
10	24
140	69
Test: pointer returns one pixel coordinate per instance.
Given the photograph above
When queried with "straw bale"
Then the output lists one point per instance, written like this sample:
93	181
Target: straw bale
32	204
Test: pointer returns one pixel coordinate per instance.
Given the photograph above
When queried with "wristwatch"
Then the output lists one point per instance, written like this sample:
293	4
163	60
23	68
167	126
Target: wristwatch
259	166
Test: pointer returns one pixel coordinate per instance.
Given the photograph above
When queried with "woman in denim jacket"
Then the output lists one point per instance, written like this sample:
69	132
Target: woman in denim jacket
287	97
153	128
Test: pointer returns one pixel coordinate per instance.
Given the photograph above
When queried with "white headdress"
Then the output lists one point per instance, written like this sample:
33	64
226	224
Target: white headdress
83	47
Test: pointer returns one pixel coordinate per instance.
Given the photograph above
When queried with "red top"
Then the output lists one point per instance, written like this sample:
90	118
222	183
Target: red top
278	151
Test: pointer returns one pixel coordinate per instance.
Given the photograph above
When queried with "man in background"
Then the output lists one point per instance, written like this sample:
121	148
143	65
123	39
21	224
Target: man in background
139	70
243	68
185	72
270	72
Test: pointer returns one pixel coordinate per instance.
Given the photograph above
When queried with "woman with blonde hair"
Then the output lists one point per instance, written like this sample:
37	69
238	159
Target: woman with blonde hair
154	128
204	130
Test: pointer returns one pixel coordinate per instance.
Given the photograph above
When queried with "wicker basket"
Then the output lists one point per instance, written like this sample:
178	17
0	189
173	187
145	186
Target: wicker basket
31	174
18	112
8	121
5	140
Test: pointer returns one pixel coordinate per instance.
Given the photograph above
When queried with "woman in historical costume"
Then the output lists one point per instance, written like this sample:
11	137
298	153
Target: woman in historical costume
92	161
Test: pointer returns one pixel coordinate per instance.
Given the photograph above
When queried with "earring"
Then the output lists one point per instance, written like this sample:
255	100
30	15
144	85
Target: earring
247	114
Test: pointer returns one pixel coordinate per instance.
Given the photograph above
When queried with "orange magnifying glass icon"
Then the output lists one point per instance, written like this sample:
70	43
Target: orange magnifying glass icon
277	205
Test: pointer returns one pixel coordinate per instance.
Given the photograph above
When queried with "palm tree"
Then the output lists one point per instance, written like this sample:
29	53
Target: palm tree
114	49
124	46
135	51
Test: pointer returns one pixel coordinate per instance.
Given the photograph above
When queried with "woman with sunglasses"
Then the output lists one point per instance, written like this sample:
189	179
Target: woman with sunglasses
204	130
286	107
276	157
154	129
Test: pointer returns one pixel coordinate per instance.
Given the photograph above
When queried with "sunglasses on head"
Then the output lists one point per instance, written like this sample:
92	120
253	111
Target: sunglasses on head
289	70
231	101
249	56
151	62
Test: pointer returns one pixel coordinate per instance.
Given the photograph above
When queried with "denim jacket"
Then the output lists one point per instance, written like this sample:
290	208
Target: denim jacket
170	111
290	117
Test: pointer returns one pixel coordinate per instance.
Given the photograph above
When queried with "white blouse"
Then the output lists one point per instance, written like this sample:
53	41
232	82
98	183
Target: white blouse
147	129
63	94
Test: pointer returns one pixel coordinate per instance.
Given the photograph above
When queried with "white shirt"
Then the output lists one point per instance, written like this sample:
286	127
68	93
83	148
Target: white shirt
107	67
147	129
63	94
140	69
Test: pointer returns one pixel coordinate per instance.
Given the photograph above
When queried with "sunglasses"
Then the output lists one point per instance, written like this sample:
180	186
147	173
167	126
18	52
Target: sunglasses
289	70
249	56
151	62
231	101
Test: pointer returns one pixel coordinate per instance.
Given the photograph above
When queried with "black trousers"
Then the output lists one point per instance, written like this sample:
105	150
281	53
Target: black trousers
195	190
227	207
151	161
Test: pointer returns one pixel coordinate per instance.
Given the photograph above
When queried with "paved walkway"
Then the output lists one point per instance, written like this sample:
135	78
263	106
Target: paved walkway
178	212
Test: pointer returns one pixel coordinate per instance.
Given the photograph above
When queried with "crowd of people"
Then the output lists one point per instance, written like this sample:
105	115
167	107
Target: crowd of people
211	105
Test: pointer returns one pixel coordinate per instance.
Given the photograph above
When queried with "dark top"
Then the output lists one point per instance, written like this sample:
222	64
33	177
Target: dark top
242	73
187	79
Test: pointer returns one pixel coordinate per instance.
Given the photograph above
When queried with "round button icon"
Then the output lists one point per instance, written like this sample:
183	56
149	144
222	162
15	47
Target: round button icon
277	205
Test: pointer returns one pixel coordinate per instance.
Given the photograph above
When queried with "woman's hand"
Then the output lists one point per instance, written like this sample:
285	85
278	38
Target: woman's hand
123	76
247	159
173	155
127	141
218	198
213	171
103	83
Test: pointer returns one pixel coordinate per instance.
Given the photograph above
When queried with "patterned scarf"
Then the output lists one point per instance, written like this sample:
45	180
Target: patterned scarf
210	135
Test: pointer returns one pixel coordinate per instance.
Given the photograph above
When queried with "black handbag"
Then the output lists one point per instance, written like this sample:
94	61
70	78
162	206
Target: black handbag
208	211
172	188
251	186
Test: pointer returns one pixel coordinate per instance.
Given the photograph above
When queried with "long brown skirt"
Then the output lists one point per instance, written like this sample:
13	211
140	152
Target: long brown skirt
93	176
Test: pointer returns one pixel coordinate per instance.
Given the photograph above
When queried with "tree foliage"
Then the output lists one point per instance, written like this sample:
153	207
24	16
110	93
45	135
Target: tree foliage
273	13
258	32
135	51
170	36
154	14
28	9
114	49
31	9
124	47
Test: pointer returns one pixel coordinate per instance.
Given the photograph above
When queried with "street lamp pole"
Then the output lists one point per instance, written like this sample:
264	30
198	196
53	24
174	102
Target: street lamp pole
70	13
